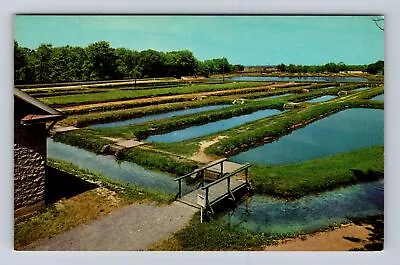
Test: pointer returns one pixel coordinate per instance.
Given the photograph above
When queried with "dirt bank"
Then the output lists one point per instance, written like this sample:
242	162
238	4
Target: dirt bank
344	238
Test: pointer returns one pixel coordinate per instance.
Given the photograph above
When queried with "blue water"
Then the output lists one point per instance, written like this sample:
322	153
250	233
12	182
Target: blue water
276	96
360	89
308	214
344	131
212	127
158	116
379	97
321	99
107	165
298	79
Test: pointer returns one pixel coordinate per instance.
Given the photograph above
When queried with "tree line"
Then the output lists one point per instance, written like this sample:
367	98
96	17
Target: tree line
374	68
100	61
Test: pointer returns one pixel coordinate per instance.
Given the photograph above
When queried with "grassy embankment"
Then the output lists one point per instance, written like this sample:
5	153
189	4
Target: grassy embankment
131	113
239	138
87	89
296	180
135	110
212	236
102	113
95	84
114	95
66	214
268	129
154	100
289	182
143	130
151	159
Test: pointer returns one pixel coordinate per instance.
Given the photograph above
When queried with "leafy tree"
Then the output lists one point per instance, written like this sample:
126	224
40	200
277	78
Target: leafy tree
42	64
237	68
375	68
153	63
20	63
101	59
180	63
281	67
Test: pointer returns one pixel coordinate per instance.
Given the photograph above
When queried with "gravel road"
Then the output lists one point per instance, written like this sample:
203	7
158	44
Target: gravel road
134	227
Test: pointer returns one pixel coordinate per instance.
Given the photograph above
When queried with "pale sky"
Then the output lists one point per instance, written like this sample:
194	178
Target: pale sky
247	40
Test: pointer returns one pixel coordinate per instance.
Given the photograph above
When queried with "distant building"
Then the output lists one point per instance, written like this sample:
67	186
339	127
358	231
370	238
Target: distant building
30	119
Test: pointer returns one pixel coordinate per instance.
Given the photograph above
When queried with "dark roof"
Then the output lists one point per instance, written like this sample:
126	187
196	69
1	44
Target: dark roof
52	114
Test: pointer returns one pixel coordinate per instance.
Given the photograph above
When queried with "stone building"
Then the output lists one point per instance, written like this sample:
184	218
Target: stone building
32	121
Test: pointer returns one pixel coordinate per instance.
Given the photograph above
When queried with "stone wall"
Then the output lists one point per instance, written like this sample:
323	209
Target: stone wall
29	178
29	165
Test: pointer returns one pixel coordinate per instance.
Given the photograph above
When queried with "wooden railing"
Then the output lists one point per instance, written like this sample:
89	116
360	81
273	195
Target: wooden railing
200	171
244	168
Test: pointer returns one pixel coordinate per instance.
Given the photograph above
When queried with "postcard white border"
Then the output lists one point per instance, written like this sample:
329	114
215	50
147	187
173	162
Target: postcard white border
390	8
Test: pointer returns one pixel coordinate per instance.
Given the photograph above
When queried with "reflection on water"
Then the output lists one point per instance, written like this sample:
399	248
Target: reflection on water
360	89
379	97
344	131
107	165
308	214
321	99
158	116
212	127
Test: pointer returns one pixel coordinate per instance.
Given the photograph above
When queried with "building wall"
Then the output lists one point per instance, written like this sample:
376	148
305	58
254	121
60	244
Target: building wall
29	162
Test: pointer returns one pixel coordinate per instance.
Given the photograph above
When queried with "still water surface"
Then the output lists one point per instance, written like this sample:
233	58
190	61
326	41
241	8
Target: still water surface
344	131
321	99
158	116
379	97
119	170
308	214
212	127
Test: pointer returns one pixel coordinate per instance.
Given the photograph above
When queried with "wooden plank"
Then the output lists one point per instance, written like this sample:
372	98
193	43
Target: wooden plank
228	167
216	192
201	169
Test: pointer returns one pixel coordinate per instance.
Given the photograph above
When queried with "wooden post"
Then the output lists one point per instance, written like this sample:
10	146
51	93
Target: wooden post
208	204
229	184
207	201
222	169
246	173
229	188
180	188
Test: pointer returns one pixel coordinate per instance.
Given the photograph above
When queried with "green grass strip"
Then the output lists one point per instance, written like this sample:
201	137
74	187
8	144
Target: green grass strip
212	236
296	180
132	94
128	191
160	161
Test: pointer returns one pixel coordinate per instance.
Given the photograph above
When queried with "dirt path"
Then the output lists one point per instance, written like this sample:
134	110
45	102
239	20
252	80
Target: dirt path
326	241
161	99
134	227
200	155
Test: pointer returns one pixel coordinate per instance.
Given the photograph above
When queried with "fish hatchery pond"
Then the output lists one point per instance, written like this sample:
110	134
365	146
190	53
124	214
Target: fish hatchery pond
344	131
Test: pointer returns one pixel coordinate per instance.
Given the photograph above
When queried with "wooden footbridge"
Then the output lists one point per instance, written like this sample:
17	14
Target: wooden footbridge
219	180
